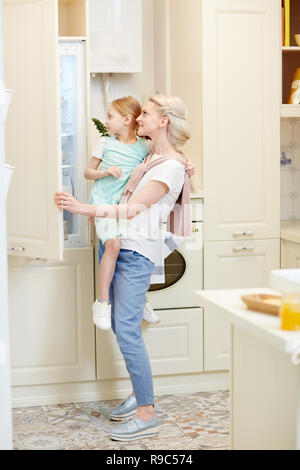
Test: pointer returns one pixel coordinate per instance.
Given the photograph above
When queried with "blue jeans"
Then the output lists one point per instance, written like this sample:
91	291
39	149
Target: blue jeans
128	296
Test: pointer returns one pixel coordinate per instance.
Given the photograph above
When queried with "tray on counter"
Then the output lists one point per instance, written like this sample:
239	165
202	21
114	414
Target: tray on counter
266	303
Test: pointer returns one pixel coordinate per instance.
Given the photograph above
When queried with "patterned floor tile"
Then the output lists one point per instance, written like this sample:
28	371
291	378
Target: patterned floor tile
191	422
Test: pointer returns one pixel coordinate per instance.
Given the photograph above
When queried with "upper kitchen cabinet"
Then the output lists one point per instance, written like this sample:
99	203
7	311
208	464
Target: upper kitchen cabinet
115	36
241	118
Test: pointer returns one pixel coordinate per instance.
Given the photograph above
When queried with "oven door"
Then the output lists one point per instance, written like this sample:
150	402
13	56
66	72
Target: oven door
183	274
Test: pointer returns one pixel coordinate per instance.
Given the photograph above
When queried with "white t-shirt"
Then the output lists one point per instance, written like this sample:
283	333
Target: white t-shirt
144	232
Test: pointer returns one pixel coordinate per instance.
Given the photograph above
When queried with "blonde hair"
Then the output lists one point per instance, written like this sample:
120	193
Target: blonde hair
175	109
128	105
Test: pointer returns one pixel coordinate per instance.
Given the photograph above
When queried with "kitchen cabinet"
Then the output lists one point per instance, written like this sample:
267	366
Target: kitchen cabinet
241	141
173	345
235	119
241	119
264	372
242	264
51	288
290	254
115	36
52	332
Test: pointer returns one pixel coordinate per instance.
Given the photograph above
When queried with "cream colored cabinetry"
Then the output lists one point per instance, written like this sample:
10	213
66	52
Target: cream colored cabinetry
241	119
290	255
52	333
31	33
242	264
241	142
235	138
31	69
174	346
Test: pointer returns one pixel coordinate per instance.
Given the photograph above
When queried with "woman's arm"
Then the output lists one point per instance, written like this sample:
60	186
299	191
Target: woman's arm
150	194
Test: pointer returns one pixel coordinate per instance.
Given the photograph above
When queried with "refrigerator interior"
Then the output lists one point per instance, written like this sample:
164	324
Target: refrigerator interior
73	137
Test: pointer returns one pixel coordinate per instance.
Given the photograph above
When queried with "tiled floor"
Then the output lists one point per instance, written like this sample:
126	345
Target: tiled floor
190	422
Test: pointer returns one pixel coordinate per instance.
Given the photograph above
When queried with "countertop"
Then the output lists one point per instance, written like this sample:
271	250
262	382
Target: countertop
264	326
290	230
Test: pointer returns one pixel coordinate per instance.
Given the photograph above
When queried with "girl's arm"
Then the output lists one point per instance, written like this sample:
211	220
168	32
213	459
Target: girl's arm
150	194
92	173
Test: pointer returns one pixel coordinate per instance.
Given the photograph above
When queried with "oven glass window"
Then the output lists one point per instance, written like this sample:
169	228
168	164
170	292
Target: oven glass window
175	267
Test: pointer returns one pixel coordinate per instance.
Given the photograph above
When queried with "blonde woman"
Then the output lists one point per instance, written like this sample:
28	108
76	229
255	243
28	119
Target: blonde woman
153	190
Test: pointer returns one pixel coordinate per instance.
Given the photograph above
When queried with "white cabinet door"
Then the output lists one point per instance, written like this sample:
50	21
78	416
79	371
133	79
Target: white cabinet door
232	265
241	118
52	332
30	40
290	255
175	345
115	36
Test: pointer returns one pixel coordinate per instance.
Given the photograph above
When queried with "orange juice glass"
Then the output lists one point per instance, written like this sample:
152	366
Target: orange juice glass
290	312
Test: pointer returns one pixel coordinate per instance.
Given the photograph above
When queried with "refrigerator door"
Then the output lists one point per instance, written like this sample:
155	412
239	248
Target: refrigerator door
32	128
73	137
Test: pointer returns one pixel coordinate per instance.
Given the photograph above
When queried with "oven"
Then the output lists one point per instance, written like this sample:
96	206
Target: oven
183	269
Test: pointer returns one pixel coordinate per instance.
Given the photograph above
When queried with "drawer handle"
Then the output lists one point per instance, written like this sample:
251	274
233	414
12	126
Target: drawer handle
242	234
19	249
238	249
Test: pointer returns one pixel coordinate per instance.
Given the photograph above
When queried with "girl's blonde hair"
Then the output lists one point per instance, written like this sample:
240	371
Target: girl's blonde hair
175	109
128	106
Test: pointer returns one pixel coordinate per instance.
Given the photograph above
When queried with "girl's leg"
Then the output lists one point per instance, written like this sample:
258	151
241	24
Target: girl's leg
107	266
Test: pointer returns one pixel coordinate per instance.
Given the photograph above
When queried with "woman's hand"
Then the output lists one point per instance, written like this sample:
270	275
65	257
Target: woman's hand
189	167
113	171
68	202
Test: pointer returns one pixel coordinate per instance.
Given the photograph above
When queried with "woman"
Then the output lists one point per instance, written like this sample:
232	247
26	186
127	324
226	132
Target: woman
150	197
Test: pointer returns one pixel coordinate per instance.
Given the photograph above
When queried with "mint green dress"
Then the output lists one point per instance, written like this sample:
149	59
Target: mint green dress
109	190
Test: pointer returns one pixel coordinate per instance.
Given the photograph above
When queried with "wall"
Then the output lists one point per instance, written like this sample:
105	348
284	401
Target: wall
139	85
186	72
171	64
5	399
178	65
290	173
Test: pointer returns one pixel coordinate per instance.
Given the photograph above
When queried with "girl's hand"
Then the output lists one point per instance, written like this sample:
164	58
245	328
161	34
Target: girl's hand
113	171
92	220
189	167
67	201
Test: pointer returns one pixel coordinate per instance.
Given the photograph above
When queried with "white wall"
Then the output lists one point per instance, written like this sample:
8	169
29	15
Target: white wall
5	400
178	66
139	85
290	174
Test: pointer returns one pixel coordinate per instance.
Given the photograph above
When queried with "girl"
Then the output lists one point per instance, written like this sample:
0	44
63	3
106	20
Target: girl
119	154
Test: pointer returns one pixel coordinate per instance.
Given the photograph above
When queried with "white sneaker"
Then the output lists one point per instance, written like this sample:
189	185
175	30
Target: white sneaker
149	315
102	315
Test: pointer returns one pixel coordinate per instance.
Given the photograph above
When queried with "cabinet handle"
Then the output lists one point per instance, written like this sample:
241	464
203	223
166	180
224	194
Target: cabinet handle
20	249
242	234
238	249
195	229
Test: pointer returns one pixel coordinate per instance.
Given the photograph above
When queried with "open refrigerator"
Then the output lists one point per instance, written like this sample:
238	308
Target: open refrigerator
72	55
